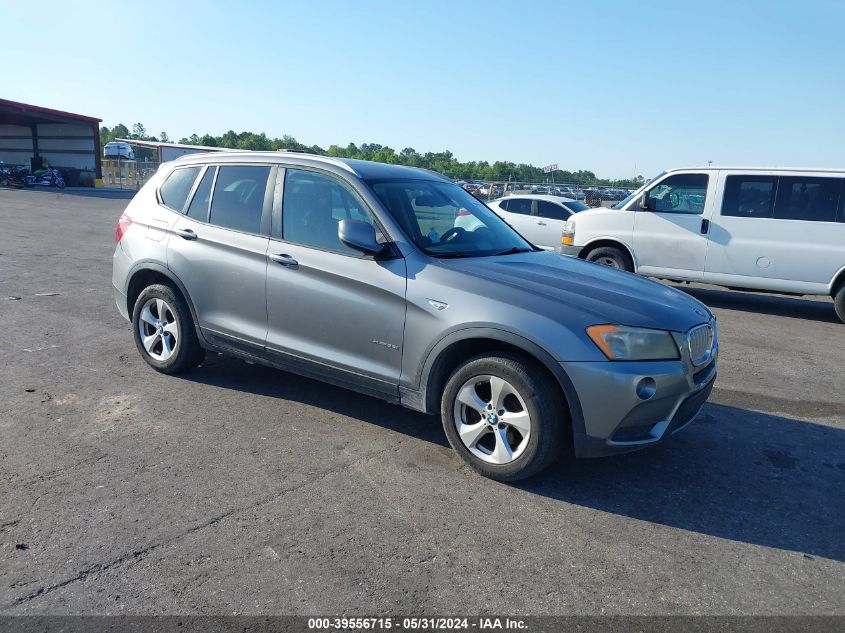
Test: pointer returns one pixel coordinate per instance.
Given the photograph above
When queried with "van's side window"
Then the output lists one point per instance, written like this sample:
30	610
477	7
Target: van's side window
803	198
681	193
749	196
841	216
174	191
238	198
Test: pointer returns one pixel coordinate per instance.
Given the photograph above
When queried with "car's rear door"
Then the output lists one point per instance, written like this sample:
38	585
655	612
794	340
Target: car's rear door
218	249
519	213
777	230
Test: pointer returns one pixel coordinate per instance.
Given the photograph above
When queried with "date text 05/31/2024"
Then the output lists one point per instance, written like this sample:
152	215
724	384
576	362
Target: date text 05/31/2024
417	624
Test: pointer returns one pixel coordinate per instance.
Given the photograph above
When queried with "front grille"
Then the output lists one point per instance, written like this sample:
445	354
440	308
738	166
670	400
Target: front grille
700	344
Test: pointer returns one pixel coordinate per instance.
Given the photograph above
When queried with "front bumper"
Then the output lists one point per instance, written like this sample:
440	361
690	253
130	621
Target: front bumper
617	420
569	249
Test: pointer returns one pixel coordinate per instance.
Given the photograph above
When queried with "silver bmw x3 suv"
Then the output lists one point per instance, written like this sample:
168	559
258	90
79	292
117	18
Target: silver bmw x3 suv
360	274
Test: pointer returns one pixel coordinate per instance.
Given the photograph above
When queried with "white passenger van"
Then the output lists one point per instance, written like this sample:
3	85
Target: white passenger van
756	228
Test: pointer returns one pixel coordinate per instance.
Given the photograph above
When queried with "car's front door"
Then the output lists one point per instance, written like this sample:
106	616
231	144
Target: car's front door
332	309
671	235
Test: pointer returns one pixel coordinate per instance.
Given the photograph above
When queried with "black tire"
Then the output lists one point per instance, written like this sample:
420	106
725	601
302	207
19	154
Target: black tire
545	406
612	257
839	302
187	352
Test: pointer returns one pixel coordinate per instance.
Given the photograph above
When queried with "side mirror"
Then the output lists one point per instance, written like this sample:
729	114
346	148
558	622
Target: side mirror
643	203
360	236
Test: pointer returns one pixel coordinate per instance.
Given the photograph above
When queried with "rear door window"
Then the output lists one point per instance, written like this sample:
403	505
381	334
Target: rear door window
238	199
521	206
811	199
175	189
198	209
749	196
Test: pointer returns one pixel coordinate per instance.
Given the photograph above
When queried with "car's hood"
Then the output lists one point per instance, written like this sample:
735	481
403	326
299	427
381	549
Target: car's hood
554	284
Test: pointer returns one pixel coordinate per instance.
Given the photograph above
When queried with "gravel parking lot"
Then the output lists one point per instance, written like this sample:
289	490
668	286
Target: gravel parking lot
240	489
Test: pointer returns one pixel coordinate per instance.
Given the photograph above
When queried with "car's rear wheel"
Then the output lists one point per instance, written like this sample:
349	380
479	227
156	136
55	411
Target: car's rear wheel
164	331
612	257
504	416
839	302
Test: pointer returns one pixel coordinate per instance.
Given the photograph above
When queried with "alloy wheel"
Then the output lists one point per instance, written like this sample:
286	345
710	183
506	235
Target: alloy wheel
158	329
491	419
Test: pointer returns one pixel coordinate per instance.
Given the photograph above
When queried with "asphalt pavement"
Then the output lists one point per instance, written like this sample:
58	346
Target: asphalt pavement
241	489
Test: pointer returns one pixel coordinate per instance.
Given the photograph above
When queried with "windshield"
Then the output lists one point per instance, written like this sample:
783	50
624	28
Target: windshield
624	202
445	221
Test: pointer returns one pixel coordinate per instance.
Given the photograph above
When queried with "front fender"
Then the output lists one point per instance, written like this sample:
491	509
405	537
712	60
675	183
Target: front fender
426	396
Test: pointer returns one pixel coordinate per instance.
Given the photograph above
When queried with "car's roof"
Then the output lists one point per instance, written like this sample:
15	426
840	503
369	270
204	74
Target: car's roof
536	196
365	169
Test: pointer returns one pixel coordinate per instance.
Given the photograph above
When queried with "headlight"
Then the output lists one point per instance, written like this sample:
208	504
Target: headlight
568	236
620	342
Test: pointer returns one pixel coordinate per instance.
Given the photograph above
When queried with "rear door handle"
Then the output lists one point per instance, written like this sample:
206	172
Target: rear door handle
705	227
541	223
284	259
185	234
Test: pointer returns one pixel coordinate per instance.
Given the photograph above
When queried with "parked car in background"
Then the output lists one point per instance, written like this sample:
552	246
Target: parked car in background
592	197
538	218
355	273
780	230
115	149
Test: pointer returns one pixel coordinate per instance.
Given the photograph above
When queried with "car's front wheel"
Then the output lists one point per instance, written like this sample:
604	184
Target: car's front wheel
504	416
164	330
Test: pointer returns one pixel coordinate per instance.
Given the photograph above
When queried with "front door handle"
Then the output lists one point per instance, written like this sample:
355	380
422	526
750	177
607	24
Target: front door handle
185	234
541	223
705	227
284	259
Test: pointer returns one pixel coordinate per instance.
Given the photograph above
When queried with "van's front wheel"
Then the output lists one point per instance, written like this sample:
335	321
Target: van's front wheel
612	257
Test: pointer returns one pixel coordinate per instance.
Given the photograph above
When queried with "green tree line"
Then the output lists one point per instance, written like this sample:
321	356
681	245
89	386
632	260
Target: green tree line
443	162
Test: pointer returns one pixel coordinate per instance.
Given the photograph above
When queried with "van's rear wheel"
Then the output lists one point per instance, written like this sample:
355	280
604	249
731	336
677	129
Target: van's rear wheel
504	416
839	302
612	257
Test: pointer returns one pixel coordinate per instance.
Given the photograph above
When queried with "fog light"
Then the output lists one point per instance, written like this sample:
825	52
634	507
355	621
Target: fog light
646	388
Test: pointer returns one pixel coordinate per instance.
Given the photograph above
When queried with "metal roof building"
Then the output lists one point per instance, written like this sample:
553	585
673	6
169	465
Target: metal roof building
33	135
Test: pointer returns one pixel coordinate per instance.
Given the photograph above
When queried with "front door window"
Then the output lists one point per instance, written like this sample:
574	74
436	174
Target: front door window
682	193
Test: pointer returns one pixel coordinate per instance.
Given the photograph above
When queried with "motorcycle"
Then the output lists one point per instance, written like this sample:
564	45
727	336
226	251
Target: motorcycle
48	178
14	176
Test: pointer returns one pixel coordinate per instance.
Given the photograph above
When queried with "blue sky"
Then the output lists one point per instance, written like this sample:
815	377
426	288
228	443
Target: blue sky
609	86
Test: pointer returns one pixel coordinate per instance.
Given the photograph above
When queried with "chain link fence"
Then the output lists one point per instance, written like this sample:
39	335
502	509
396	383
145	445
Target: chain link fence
127	174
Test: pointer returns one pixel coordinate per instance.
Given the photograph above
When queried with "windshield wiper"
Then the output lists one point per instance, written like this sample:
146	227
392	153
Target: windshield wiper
454	255
514	250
